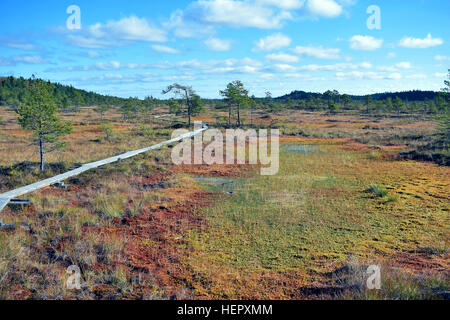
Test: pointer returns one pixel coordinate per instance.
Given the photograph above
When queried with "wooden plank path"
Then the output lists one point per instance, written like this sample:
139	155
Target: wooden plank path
5	198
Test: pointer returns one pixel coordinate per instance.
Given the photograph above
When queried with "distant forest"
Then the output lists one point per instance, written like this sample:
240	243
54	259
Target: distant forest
413	95
14	91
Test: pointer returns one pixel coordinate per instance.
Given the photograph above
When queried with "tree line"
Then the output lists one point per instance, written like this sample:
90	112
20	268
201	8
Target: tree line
333	101
38	100
14	91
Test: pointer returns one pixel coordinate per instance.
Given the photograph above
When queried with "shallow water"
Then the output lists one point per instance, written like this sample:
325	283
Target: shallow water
302	149
225	184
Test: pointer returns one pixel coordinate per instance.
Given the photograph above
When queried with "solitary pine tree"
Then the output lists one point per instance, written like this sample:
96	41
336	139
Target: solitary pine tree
38	114
185	92
235	95
241	99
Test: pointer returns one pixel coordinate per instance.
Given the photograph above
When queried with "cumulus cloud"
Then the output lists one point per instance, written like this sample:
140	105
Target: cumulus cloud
324	8
201	18
218	44
273	42
317	52
282	57
164	49
114	33
367	43
282	67
184	25
429	41
237	14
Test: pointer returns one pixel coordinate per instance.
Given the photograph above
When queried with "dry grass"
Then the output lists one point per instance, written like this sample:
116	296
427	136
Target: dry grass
278	237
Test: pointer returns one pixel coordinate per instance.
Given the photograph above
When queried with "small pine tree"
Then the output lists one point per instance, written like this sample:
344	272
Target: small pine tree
197	105
333	107
174	107
38	114
399	106
101	109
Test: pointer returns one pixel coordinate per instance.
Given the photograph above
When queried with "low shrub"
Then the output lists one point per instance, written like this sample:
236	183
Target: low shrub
377	191
108	132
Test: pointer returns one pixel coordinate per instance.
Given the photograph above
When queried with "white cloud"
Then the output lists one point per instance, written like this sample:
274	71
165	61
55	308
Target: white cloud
440	75
99	66
387	68
237	14
369	75
115	64
303	77
201	17
218	44
417	76
26	59
283	4
164	49
22	45
442	58
396	67
403	65
324	8
429	41
267	76
283	67
282	57
317	52
367	43
245	65
336	67
185	26
358	75
273	42
30	59
132	28
394	76
115	33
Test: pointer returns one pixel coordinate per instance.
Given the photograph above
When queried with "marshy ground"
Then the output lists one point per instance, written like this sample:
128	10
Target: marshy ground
144	229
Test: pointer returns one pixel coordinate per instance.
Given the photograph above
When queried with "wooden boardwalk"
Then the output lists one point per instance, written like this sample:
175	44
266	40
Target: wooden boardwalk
5	198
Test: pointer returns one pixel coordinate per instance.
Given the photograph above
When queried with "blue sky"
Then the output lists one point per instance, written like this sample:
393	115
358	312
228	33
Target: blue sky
136	48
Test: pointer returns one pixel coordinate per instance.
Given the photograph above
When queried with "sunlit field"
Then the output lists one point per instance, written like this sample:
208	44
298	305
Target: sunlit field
143	228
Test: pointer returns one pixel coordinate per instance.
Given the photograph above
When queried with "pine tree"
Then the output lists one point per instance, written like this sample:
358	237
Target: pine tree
38	114
186	92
